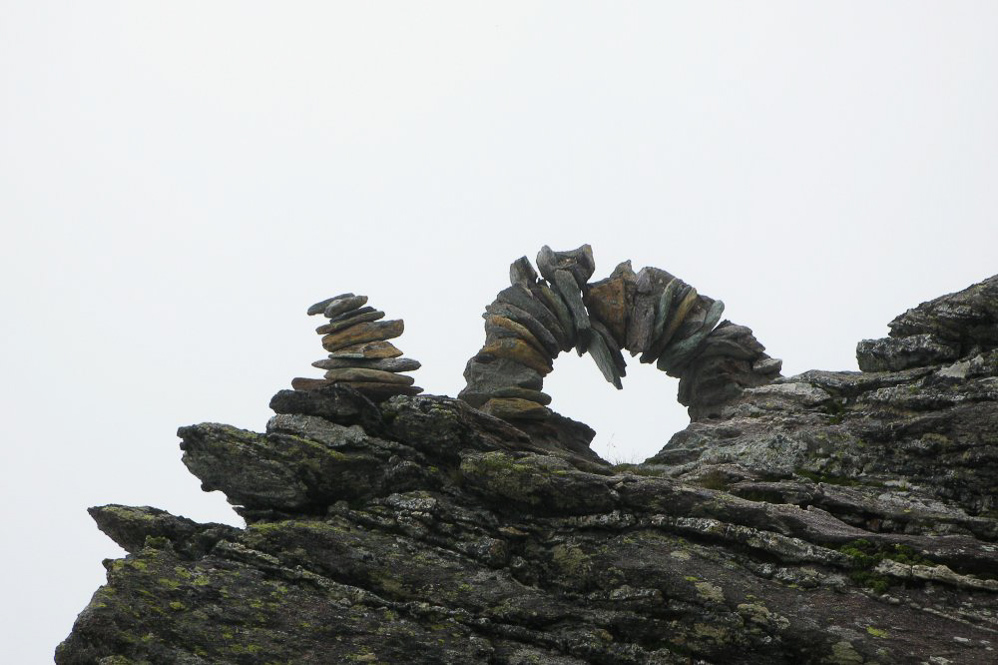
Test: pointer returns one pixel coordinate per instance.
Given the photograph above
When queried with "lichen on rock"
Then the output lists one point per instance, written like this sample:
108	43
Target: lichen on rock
828	517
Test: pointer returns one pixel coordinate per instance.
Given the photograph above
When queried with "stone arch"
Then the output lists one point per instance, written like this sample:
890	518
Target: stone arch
555	308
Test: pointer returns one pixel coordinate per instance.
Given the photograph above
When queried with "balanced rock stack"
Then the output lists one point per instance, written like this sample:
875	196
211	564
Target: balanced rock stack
651	313
360	355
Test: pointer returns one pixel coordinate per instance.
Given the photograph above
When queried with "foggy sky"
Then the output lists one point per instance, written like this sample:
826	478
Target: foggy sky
179	181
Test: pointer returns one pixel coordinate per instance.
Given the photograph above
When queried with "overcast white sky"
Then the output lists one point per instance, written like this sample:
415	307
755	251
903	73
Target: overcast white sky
180	180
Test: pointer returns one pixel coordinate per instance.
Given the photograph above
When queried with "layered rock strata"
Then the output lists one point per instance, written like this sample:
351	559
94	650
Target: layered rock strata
651	313
360	353
828	518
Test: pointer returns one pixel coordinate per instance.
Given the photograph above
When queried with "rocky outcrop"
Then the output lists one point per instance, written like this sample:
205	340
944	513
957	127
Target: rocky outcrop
829	517
651	313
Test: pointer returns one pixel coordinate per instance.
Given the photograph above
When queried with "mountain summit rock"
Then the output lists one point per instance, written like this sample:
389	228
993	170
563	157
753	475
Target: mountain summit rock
828	517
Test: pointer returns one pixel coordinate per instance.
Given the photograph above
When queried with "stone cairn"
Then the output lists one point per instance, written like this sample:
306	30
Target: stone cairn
651	313
360	355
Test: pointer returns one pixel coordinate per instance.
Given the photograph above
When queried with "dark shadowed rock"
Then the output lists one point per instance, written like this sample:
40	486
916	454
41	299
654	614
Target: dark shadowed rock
379	391
335	402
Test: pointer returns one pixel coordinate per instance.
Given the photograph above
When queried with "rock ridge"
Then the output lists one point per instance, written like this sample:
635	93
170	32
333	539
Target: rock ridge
828	517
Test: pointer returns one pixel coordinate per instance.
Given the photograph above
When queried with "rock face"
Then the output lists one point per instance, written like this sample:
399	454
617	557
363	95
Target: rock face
829	517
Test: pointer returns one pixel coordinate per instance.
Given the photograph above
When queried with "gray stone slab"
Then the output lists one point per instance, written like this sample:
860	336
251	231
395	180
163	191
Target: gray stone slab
524	299
579	262
484	378
320	307
353	312
599	349
648	287
663	308
521	273
385	364
367	374
372	331
680	352
897	353
342	305
502	327
344	323
569	291
554	302
539	333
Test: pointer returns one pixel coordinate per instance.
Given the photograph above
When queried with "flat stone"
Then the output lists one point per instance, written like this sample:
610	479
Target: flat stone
386	364
521	273
500	327
599	349
682	351
351	313
614	347
344	323
320	307
335	403
896	353
512	408
523	393
579	262
352	374
677	317
649	285
734	341
610	300
542	334
363	332
342	305
767	366
377	391
301	383
486	375
567	288
524	299
368	350
543	292
663	308
520	351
